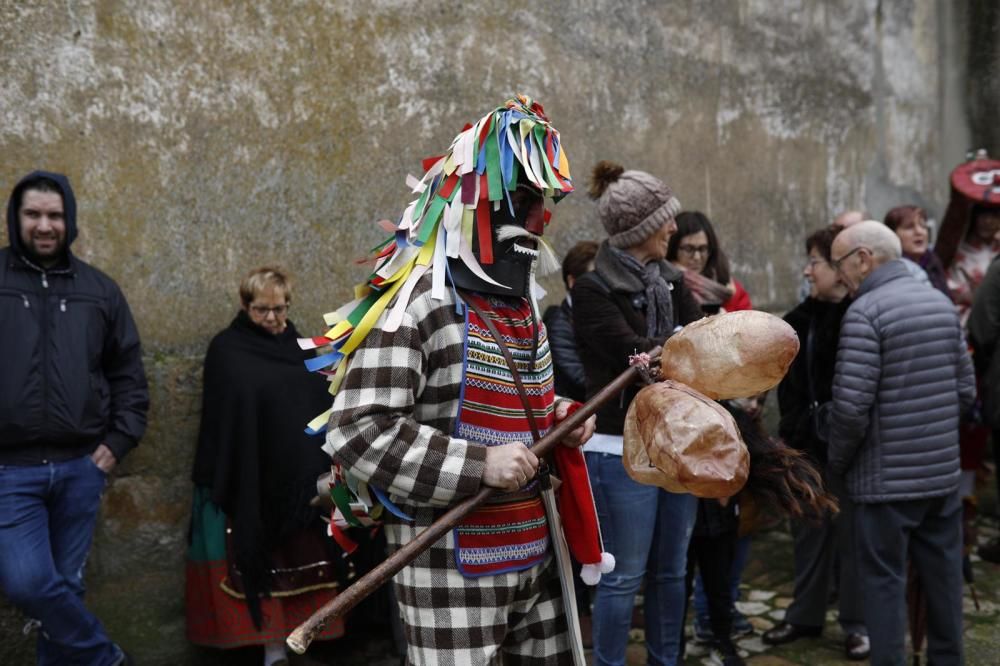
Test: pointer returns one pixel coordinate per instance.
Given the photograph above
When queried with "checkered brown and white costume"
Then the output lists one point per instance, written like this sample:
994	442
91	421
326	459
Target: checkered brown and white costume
389	426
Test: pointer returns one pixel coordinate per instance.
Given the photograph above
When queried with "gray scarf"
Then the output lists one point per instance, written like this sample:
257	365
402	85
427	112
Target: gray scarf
623	272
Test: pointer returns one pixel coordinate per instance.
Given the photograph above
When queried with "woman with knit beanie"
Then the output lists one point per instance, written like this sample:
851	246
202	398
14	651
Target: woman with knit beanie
631	302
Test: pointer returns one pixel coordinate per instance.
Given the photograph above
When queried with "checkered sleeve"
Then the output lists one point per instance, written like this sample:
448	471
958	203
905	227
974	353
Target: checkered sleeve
397	404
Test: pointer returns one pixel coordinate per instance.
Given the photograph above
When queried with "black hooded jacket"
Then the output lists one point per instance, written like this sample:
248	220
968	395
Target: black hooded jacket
72	375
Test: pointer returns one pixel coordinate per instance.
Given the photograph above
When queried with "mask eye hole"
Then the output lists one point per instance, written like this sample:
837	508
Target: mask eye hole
524	199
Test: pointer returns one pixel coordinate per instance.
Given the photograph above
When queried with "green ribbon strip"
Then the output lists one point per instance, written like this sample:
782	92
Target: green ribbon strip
342	498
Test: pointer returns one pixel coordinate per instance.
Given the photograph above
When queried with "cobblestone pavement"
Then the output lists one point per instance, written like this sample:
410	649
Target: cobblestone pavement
766	592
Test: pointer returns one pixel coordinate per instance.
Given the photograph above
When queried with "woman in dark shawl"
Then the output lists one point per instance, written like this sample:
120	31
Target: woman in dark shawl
259	561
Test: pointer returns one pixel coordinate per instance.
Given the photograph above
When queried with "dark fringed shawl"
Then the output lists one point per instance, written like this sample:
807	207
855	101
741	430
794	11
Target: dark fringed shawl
253	452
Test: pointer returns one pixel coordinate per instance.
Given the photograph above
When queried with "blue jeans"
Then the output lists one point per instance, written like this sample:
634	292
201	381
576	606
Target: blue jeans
647	529
47	515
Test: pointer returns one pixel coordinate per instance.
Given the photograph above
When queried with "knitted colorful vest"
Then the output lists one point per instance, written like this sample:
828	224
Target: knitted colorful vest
511	532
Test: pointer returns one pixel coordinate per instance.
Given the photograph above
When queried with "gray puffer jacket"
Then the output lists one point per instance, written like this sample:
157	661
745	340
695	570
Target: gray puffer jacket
903	378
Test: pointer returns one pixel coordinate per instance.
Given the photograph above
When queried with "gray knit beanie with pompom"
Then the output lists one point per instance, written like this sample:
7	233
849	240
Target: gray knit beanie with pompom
631	205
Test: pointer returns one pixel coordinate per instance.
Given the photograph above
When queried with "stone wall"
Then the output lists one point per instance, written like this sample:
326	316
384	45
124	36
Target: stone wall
207	138
983	81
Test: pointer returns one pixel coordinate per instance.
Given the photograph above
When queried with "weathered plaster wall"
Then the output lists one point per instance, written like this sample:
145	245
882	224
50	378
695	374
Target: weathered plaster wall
983	81
207	138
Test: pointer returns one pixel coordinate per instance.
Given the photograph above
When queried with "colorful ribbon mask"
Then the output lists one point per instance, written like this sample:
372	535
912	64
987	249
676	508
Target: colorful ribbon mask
457	191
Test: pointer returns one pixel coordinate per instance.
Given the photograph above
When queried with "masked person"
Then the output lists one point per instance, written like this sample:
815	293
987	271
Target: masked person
968	242
427	408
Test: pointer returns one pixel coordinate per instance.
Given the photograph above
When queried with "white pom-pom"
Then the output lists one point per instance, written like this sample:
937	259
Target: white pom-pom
590	574
607	564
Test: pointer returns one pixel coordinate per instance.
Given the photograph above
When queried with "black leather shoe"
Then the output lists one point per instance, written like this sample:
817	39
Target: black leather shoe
991	551
787	632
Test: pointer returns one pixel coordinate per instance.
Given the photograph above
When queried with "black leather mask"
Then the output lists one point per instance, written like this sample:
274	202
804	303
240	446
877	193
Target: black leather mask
513	257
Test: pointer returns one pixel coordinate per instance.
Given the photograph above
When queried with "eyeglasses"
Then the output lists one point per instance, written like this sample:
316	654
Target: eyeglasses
262	310
836	262
814	262
691	250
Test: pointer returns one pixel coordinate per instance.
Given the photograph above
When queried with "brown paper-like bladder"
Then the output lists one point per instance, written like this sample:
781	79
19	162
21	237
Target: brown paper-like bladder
731	355
683	441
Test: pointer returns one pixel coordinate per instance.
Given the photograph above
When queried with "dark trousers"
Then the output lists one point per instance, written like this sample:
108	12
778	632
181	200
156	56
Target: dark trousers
996	458
929	532
819	545
713	558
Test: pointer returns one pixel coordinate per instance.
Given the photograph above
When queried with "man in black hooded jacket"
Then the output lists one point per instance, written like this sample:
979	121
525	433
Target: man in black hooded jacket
73	402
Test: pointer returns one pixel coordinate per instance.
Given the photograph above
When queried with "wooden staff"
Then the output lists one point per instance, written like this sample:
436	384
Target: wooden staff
300	639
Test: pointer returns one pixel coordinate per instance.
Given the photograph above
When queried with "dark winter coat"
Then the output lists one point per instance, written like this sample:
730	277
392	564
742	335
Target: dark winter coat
569	375
984	333
795	396
609	318
903	377
72	373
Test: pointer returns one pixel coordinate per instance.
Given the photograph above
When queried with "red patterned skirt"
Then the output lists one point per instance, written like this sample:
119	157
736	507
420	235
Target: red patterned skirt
219	619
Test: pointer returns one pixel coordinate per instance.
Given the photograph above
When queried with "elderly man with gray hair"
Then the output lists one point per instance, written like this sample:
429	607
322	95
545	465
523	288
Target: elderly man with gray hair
903	378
